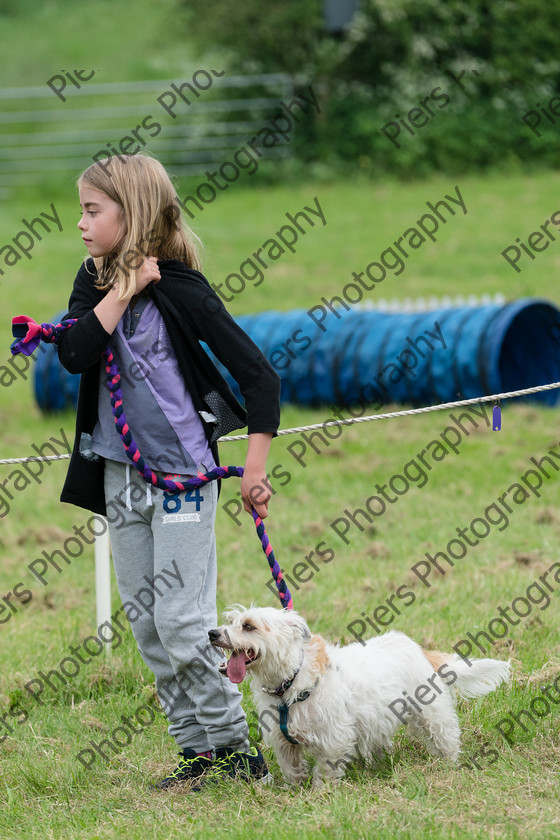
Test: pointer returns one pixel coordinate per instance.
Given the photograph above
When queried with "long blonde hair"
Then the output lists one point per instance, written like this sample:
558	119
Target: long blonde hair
154	225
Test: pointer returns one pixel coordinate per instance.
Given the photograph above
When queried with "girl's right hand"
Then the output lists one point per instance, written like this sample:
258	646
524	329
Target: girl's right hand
149	273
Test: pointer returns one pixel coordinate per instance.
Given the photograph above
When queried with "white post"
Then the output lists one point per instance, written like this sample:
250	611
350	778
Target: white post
103	578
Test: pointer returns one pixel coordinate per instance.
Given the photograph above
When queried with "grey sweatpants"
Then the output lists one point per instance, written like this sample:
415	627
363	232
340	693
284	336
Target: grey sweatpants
165	545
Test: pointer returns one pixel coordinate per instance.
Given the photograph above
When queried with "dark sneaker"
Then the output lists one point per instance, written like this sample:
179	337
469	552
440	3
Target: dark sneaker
192	765
249	766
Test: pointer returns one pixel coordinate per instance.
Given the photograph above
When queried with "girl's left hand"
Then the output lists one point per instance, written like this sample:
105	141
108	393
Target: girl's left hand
255	486
255	492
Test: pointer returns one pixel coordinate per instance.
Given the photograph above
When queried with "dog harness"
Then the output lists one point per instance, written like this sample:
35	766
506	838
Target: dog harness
27	334
283	708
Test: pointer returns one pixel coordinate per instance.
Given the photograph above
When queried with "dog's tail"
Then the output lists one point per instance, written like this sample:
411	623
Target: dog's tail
474	678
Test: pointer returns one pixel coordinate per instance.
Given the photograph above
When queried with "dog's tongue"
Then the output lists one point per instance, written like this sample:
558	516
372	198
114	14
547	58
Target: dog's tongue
236	669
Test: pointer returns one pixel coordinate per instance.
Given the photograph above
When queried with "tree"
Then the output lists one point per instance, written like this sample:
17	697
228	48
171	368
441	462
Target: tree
389	58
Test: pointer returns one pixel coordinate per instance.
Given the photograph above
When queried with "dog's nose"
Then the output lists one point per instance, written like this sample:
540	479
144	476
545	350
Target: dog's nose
213	635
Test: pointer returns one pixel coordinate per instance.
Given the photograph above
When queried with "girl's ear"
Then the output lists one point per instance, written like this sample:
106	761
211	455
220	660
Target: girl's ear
124	225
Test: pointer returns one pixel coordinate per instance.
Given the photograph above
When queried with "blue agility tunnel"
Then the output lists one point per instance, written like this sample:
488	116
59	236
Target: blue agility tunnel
55	388
442	355
366	358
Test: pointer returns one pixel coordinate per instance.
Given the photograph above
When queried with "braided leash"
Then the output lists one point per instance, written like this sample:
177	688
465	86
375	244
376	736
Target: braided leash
28	334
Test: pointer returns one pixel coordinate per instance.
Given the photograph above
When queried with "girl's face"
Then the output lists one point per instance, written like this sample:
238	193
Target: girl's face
101	224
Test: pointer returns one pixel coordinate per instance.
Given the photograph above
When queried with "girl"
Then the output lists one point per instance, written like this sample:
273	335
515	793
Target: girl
153	311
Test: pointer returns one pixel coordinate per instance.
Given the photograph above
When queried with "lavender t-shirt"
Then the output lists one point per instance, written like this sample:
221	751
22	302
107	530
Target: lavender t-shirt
158	407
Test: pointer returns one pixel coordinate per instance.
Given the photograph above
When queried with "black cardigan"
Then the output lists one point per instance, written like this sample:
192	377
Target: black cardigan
192	312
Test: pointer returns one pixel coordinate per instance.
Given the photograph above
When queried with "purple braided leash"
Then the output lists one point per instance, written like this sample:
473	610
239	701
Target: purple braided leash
28	334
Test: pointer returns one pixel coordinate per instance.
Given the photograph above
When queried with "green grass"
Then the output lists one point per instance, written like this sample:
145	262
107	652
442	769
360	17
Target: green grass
110	38
363	219
46	792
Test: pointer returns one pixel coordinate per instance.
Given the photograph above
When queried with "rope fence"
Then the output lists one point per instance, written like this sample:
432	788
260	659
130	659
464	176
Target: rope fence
102	545
349	422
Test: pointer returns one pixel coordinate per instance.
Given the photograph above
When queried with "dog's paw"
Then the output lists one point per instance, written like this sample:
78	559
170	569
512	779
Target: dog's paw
324	776
321	782
296	781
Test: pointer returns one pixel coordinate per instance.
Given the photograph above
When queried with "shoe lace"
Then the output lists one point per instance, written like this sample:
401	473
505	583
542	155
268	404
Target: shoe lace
185	764
228	762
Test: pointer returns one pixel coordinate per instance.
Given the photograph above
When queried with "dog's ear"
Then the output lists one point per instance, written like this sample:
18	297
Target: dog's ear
298	623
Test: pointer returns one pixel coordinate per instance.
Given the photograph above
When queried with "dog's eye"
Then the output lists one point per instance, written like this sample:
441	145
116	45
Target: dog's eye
248	627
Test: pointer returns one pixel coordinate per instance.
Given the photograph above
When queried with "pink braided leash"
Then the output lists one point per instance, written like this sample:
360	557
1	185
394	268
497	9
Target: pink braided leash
28	334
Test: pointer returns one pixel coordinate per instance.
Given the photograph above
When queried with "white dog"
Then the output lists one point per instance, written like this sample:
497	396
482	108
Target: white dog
336	702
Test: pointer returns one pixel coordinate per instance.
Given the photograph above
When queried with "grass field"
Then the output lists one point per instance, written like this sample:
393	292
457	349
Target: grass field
45	792
507	789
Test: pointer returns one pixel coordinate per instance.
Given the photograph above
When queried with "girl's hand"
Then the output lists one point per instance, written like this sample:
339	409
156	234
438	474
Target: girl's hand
255	486
149	273
255	492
